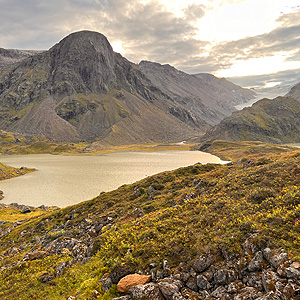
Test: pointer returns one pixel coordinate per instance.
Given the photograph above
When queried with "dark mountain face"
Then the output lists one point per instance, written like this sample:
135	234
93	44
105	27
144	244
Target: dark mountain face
81	89
275	121
208	97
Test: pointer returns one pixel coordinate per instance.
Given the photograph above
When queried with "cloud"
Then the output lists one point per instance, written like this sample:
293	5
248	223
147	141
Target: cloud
146	30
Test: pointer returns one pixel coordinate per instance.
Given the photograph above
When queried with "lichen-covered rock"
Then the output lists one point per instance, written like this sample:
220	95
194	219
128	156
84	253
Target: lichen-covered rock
202	282
220	292
275	256
204	262
192	284
126	297
149	291
256	263
106	282
270	280
189	294
292	272
224	276
132	280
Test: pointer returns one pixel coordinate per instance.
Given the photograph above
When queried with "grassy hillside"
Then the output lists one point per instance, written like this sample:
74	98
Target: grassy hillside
268	120
175	216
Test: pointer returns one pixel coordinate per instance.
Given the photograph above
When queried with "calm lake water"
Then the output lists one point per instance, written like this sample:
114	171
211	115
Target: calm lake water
63	180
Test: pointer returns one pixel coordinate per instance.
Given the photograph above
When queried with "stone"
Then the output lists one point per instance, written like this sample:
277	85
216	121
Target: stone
224	276
247	293
202	282
26	210
192	284
189	294
269	296
106	282
269	280
132	280
204	262
292	272
119	271
275	257
149	291
220	292
168	289
256	263
126	297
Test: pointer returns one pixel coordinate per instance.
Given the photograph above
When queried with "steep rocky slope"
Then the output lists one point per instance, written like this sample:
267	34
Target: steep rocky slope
201	232
81	90
10	56
208	97
275	121
294	92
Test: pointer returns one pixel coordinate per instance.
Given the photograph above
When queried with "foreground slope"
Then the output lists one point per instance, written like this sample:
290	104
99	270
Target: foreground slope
198	217
268	120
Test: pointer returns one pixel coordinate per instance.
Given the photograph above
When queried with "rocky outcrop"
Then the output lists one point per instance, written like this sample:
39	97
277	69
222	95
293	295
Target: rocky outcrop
254	274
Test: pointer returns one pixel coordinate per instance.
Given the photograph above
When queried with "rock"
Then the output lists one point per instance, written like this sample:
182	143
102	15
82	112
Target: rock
289	291
204	262
275	257
224	276
269	280
150	190
118	272
61	267
247	293
220	292
292	272
254	280
46	277
26	210
203	283
106	282
256	263
189	294
127	297
95	294
132	280
149	291
192	284
35	255
269	296
235	287
168	289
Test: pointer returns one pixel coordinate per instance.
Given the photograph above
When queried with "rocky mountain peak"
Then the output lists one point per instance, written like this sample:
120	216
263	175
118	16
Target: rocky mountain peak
84	61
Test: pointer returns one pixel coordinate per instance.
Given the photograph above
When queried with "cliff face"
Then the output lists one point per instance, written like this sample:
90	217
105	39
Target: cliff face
276	121
208	97
81	89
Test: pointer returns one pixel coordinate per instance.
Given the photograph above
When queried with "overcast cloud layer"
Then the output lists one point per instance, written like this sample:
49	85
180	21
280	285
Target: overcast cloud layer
148	30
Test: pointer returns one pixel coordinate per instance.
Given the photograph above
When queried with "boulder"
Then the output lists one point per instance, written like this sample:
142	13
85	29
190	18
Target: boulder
149	291
132	280
204	262
256	263
275	256
106	282
61	267
202	282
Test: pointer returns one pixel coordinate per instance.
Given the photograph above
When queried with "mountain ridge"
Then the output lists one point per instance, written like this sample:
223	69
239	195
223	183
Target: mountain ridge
98	95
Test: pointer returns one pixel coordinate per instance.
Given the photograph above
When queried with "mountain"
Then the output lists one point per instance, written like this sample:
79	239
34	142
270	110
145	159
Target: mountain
201	232
208	97
10	56
81	90
268	120
294	92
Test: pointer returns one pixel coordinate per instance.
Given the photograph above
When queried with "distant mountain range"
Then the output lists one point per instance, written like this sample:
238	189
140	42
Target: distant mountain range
81	90
268	120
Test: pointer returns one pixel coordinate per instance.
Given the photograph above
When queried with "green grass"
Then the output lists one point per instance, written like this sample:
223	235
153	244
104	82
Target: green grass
181	221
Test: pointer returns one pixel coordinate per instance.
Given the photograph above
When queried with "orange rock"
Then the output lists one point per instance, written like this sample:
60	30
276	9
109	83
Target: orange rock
132	280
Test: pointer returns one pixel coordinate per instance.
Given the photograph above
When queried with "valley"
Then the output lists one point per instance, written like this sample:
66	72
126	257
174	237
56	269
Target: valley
111	188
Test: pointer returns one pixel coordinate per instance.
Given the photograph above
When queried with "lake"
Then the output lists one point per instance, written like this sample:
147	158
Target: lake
63	180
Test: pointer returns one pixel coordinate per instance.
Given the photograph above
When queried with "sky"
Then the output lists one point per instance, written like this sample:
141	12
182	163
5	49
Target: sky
254	43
